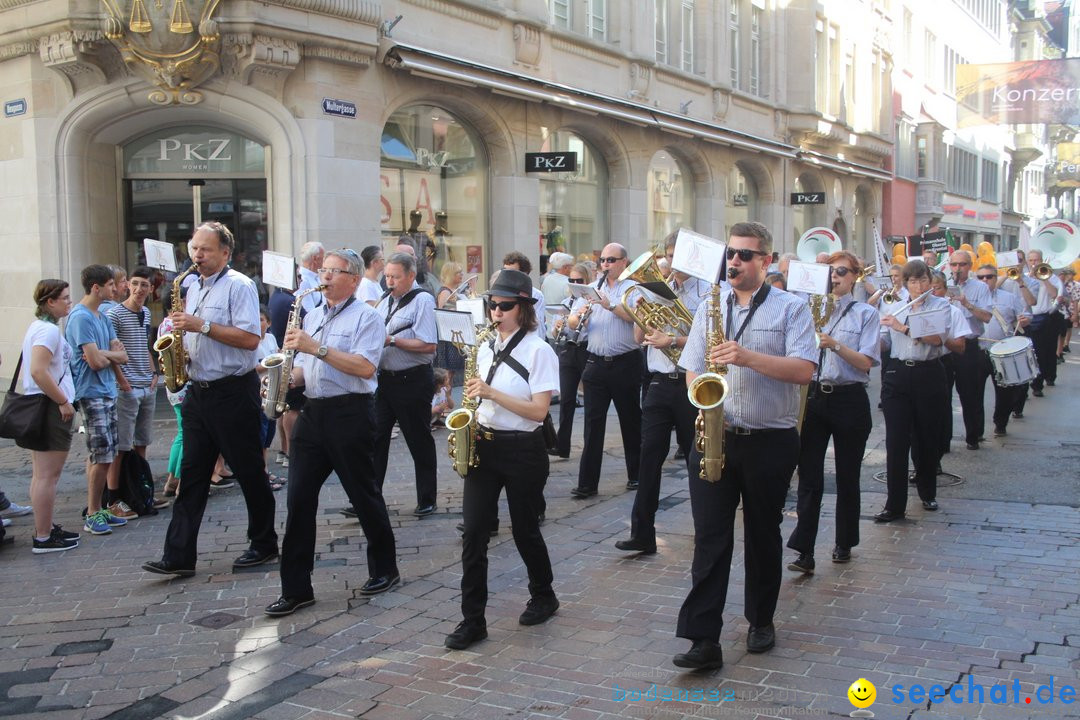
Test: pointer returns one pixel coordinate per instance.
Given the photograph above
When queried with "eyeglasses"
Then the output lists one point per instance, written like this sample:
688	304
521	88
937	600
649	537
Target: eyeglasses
745	254
959	264
504	305
334	271
842	271
986	277
577	281
611	259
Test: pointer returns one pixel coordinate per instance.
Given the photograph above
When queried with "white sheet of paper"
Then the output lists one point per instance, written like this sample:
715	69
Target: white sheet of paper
456	326
812	278
883	283
475	306
556	310
929	322
698	255
160	255
278	270
586	291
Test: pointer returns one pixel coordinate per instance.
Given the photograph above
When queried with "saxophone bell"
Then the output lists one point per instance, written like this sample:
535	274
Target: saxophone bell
279	366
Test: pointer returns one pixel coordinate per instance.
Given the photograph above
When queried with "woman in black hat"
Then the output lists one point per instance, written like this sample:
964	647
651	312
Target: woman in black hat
517	373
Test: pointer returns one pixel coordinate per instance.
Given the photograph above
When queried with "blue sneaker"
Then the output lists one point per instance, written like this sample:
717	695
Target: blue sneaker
113	520
96	524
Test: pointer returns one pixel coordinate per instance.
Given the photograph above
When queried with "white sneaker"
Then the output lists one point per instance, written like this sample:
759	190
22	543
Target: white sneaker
16	510
7	523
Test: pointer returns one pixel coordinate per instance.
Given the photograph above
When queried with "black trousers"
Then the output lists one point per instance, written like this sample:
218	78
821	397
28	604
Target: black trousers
971	386
843	415
1007	398
405	397
757	470
333	434
519	463
618	380
1043	332
912	398
572	358
224	419
666	407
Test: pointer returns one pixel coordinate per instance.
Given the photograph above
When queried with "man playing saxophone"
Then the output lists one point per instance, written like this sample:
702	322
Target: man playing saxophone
769	351
220	414
337	355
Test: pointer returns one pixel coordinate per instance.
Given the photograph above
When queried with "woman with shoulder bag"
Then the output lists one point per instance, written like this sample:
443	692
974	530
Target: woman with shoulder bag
49	358
515	379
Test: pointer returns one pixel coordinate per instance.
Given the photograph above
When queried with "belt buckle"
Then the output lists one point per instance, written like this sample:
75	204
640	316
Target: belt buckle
741	431
203	384
826	388
673	375
909	363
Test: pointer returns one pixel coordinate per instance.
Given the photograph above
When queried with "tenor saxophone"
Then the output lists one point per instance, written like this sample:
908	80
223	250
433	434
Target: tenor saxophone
279	365
462	422
707	393
170	348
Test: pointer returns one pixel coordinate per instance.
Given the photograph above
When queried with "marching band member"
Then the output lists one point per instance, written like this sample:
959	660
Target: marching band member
1043	329
837	405
666	407
914	383
612	373
519	372
974	302
221	413
571	347
1010	312
406	378
769	350
338	353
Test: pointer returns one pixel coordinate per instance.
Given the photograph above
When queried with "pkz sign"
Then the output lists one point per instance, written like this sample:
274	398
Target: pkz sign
551	162
341	108
812	198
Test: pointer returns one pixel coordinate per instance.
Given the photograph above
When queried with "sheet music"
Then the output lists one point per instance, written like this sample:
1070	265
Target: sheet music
456	327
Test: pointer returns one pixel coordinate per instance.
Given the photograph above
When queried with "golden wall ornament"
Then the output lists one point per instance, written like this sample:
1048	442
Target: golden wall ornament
162	45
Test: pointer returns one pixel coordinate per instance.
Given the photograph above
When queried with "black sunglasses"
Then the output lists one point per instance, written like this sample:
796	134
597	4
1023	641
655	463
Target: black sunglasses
610	259
745	254
986	277
577	281
504	305
842	271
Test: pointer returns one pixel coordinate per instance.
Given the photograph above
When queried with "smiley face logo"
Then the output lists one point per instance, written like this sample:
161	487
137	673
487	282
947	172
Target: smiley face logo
862	694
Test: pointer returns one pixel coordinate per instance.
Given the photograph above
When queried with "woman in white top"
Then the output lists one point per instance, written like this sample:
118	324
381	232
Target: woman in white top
516	376
369	290
49	356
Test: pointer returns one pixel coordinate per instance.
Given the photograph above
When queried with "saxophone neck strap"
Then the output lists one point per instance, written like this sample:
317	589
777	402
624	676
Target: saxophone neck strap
755	303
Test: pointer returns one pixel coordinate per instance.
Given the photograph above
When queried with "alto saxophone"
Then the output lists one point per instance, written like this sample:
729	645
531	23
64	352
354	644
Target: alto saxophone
279	365
170	348
707	393
462	422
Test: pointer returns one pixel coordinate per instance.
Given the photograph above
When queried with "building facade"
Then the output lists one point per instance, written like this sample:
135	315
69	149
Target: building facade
356	122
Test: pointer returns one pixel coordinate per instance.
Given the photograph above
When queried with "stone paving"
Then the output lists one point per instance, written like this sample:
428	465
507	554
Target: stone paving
986	591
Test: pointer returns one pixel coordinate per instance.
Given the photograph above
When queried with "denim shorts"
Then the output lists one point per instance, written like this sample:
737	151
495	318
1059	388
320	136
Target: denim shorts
99	419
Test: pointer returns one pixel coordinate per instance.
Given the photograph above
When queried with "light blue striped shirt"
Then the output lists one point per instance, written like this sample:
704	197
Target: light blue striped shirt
903	347
357	330
978	295
1010	307
691	293
609	334
309	279
781	327
231	300
417	321
858	329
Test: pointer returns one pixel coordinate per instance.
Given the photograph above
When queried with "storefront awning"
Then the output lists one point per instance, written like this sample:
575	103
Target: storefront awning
844	166
427	63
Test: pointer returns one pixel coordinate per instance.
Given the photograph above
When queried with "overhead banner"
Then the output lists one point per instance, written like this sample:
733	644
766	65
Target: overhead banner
1038	91
1066	168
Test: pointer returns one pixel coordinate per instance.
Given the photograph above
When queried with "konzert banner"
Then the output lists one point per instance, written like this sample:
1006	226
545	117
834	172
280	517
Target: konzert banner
1040	91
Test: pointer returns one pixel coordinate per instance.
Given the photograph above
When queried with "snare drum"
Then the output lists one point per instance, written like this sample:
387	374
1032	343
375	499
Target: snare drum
1014	361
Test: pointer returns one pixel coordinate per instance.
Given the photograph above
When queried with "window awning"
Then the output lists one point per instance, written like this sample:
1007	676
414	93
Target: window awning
844	166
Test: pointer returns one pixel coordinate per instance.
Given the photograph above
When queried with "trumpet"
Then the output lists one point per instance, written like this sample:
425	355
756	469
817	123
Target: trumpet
867	272
891	296
1014	272
1043	271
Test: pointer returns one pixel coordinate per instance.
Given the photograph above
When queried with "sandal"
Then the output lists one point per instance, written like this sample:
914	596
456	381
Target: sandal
276	483
171	486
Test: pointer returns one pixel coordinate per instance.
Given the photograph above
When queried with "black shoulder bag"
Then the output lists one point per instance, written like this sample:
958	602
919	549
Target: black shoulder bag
22	417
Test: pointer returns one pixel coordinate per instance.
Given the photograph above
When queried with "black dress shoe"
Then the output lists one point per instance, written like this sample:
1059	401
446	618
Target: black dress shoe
841	554
162	567
887	515
465	634
1037	393
999	431
703	655
760	639
557	454
286	606
582	493
930	505
631	484
423	510
1018	415
637	546
804	564
380	584
251	558
538	610
973	445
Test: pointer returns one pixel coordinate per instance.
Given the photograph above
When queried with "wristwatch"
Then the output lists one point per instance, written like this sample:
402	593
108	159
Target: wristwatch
321	352
205	329
392	341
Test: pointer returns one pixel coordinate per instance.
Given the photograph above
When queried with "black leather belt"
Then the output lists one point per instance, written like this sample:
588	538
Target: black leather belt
677	376
402	373
916	363
612	358
734	430
826	388
486	433
344	399
220	382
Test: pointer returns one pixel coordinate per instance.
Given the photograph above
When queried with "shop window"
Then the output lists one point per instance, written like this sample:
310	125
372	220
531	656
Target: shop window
741	203
573	206
671	196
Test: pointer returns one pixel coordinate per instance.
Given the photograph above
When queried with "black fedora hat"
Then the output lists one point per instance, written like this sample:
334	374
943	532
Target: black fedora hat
513	283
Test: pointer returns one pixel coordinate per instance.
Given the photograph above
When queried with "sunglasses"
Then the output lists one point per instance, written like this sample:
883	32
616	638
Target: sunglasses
745	254
959	264
986	277
842	271
504	305
578	281
611	259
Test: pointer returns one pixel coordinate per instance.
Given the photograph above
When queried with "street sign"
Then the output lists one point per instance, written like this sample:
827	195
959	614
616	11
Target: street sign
15	107
551	162
341	108
812	198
